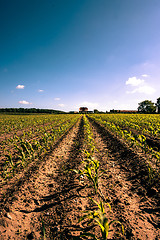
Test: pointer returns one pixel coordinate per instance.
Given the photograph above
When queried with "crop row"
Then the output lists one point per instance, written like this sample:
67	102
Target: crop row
123	127
17	151
91	172
14	123
148	124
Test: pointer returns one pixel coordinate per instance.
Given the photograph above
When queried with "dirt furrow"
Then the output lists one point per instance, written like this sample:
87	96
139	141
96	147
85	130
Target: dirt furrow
49	201
44	204
131	203
7	188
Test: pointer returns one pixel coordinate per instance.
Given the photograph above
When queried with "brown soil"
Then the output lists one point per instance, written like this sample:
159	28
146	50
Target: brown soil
133	203
51	195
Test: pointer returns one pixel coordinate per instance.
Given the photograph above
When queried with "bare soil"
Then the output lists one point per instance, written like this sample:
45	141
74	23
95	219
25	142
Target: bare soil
50	199
132	201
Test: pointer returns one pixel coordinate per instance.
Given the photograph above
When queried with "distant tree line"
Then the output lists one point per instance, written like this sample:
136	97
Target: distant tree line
145	106
96	111
148	106
29	110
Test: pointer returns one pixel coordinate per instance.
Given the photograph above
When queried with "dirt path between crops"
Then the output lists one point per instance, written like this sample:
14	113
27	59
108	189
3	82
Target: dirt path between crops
49	204
49	198
132	204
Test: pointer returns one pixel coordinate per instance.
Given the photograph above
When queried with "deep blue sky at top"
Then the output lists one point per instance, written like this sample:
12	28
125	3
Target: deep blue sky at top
68	53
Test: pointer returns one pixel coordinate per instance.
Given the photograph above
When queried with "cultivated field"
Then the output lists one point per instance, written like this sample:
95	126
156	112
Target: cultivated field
79	177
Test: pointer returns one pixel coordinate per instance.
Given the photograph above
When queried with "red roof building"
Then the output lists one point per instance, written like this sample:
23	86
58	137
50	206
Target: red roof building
83	109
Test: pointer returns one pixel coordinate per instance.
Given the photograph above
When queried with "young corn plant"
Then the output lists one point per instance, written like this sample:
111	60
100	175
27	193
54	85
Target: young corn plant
8	167
44	231
91	165
142	139
99	218
90	171
151	175
9	160
28	149
22	156
45	140
37	146
87	154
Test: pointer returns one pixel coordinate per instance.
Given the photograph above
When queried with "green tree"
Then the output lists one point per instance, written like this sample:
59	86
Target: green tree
158	104
96	111
146	107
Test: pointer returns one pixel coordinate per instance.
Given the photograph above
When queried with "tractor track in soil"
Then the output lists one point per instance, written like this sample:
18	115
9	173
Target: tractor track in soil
136	206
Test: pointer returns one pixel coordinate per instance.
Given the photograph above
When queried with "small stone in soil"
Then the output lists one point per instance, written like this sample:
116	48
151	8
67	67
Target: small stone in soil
8	216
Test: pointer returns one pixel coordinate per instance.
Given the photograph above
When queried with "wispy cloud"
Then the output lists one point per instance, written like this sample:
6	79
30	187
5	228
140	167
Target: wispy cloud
20	87
140	86
24	102
61	105
145	75
40	90
57	99
144	89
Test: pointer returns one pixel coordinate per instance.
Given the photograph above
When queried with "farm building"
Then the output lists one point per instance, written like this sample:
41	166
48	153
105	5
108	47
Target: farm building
83	110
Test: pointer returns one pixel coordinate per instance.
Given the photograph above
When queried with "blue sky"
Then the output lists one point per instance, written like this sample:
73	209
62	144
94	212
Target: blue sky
63	54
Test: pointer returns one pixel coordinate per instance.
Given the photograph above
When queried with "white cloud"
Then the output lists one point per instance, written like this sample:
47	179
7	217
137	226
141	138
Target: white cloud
40	90
20	87
24	102
140	86
61	105
145	75
133	81
144	89
92	105
57	99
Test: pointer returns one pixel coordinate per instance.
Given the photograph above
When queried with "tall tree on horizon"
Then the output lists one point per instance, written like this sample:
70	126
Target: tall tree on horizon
146	106
158	104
